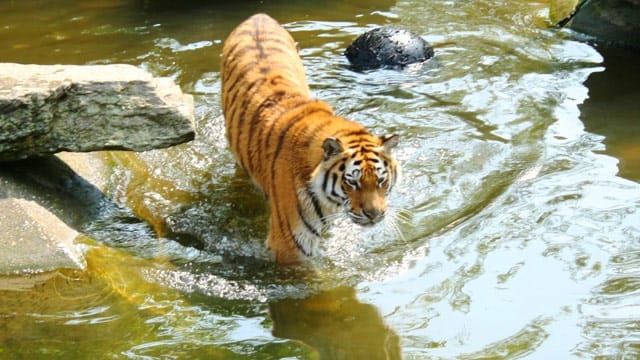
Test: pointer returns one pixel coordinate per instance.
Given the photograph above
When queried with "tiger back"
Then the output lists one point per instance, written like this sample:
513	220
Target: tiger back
309	162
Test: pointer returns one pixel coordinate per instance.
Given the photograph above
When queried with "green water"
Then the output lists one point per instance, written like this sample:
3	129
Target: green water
518	217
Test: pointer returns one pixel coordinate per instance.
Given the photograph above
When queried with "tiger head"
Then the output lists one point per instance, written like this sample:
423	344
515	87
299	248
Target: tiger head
357	175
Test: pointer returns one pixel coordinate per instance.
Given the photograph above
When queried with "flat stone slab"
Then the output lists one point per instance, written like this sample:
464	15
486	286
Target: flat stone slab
33	240
45	109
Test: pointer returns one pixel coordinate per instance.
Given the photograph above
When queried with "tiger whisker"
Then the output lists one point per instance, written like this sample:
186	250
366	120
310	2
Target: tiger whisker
399	215
332	217
399	232
402	214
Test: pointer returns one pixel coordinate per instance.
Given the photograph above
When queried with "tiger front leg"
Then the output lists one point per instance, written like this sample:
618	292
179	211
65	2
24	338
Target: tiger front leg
281	242
284	256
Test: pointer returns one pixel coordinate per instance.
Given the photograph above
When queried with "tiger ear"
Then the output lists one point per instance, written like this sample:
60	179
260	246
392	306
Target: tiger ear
390	141
331	147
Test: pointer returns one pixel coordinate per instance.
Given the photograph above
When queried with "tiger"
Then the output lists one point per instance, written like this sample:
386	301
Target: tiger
309	162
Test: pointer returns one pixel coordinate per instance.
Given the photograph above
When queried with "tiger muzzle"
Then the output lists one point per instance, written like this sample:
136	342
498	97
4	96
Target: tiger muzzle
374	215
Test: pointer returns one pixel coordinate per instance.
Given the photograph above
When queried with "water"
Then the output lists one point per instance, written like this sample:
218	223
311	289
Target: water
518	215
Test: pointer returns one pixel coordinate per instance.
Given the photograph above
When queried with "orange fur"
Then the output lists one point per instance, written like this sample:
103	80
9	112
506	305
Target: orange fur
294	147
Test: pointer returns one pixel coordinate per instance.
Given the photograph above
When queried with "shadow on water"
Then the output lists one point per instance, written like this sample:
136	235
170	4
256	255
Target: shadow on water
612	108
51	183
55	186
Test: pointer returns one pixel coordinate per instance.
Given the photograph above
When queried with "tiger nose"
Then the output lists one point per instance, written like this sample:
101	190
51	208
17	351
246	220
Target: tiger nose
374	215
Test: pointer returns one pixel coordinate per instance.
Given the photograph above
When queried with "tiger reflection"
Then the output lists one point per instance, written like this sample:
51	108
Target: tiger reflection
336	325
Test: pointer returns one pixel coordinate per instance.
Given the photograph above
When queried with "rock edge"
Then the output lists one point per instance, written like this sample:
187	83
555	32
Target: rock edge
45	109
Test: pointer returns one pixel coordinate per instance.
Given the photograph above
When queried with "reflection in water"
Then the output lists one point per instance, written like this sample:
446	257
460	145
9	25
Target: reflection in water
336	325
107	299
613	108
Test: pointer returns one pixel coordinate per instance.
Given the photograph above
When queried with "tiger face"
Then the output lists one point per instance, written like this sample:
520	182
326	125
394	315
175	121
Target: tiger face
359	175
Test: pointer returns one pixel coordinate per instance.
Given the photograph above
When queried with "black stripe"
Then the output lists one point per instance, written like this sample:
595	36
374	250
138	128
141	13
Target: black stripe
273	172
239	121
241	69
316	205
310	136
330	190
253	126
276	43
302	250
333	187
344	133
265	50
259	45
228	51
393	179
282	220
238	53
300	101
290	123
273	100
364	145
230	99
306	223
325	180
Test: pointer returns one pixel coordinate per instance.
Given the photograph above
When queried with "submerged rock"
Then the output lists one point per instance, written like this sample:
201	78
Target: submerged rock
37	235
65	202
33	240
45	109
388	48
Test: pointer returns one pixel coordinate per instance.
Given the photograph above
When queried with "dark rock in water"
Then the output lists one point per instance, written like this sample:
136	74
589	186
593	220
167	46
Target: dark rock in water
388	48
614	22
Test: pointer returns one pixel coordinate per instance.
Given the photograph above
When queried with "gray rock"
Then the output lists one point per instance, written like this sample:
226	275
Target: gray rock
65	198
387	47
37	235
33	240
45	109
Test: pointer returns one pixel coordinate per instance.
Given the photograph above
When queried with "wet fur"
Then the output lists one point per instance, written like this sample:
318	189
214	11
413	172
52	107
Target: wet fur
294	147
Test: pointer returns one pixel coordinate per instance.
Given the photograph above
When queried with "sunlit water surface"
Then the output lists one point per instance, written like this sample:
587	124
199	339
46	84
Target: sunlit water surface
511	235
